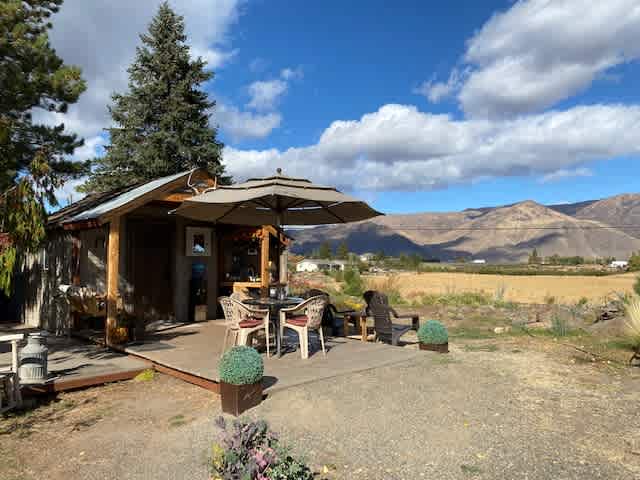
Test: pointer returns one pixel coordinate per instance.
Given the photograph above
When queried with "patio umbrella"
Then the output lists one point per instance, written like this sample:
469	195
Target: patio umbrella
276	200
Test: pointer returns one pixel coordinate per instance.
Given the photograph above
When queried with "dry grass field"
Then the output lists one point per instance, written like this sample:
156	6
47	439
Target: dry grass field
516	288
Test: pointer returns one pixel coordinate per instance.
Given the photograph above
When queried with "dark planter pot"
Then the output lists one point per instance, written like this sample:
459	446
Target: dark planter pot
440	348
238	398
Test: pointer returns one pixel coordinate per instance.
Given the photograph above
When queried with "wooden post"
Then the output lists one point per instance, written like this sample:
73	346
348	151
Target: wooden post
363	327
76	250
264	261
113	264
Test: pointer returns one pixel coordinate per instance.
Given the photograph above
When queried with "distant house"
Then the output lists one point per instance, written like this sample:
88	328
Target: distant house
619	264
367	257
479	261
316	265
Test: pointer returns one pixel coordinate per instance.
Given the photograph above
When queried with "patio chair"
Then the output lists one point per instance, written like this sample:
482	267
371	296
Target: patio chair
331	317
304	317
243	321
10	396
387	331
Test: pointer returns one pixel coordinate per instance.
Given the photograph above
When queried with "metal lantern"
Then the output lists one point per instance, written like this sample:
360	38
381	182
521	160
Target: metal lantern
33	360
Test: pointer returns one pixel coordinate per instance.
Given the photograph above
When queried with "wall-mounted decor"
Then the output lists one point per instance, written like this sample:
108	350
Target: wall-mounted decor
198	242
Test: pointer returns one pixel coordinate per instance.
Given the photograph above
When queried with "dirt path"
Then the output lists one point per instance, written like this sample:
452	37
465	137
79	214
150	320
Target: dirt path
498	410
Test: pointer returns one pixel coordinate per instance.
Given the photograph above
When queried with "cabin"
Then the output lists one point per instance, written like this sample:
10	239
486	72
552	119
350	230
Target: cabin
142	260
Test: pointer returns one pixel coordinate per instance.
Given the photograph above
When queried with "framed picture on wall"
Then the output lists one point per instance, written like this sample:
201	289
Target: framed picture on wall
198	242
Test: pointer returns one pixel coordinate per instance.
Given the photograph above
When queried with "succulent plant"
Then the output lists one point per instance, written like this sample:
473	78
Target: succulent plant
241	365
433	332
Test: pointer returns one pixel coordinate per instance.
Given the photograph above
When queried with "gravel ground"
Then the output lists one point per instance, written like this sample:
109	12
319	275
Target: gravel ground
508	413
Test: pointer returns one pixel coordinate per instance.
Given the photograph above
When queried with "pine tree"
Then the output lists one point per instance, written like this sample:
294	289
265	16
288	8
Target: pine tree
325	251
161	125
33	159
342	252
534	258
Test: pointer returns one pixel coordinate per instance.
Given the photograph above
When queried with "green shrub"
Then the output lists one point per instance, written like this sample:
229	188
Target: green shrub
559	326
241	366
433	332
636	286
353	284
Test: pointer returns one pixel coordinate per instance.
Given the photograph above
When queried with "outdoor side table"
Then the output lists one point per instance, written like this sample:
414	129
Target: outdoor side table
274	305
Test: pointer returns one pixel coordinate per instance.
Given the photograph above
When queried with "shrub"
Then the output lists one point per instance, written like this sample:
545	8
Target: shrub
559	326
241	365
353	284
433	332
248	450
636	286
632	324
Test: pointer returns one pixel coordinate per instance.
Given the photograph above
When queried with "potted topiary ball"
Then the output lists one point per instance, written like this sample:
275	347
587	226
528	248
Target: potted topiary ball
434	336
241	369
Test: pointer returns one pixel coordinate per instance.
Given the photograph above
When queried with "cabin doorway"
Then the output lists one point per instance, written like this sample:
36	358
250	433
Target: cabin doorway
151	266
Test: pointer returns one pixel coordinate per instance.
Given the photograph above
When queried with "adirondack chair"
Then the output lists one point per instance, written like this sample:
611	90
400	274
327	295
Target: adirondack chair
331	317
378	307
10	396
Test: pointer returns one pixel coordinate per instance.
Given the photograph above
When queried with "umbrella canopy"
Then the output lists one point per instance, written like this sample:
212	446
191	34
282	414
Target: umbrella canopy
277	200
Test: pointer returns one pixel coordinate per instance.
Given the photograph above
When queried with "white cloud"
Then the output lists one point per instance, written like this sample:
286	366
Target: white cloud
539	52
564	173
401	148
245	125
101	36
436	91
265	94
292	73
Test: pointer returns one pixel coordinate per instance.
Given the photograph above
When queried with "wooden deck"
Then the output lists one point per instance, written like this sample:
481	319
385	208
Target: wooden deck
191	352
76	364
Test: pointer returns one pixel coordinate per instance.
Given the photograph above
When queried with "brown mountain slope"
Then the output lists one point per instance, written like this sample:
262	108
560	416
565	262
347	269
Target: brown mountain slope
501	234
617	211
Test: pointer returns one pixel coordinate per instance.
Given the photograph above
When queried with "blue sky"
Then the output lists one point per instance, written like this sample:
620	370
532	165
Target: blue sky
412	105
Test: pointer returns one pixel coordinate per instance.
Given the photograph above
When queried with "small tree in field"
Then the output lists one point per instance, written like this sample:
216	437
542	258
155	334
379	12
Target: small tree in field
534	258
342	251
325	250
634	262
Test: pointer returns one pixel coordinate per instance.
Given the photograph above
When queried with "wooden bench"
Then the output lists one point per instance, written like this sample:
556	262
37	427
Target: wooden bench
10	396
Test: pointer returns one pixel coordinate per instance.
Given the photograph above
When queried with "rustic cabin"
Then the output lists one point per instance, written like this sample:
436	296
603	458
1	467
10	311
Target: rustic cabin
134	258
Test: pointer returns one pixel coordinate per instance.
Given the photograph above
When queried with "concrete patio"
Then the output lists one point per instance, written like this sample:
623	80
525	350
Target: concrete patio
195	349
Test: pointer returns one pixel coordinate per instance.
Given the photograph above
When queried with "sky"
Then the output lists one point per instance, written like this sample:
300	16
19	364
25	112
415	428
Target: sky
411	105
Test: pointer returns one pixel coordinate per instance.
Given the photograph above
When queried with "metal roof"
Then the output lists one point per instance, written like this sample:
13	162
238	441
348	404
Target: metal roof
124	198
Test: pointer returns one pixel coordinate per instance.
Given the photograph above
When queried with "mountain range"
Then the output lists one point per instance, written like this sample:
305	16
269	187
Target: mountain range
609	227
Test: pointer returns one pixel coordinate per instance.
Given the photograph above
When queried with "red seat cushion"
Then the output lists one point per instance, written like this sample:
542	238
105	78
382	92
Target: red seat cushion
298	320
251	322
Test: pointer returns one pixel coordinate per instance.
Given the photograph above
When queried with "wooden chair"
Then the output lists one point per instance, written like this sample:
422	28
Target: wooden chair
242	321
304	317
10	396
387	331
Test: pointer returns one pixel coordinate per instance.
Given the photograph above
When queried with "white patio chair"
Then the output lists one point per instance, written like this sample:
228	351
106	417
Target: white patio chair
243	320
304	317
10	396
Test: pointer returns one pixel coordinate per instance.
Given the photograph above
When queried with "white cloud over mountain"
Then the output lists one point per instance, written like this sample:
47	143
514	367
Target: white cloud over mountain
400	148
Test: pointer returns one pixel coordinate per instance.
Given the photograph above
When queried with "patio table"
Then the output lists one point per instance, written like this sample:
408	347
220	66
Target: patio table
274	305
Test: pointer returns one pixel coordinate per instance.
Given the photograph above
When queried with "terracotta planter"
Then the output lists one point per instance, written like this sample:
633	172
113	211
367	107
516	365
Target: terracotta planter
238	398
440	348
